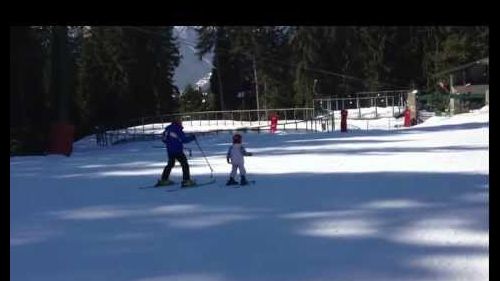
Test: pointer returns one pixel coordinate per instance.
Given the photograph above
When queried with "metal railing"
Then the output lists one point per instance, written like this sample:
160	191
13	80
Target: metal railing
150	127
395	99
307	119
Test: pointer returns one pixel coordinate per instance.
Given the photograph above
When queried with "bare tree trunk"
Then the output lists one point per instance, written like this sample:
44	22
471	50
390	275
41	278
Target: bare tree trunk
221	93
256	83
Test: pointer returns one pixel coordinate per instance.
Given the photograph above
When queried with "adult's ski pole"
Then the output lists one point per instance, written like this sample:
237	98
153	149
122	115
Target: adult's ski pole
204	156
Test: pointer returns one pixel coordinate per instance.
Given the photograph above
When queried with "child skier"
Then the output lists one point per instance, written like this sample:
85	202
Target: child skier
235	157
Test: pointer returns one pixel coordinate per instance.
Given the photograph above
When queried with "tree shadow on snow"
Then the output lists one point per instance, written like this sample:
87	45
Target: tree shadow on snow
300	226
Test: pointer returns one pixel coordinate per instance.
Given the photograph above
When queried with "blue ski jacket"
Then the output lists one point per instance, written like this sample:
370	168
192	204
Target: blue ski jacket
174	137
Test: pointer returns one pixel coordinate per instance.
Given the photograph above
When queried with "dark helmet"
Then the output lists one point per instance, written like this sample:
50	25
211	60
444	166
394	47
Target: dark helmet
237	138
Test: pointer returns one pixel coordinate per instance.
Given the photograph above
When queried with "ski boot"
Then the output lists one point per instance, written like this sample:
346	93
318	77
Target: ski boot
243	181
231	181
161	182
188	183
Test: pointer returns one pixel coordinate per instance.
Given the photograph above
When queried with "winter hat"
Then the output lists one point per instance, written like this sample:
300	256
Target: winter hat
237	138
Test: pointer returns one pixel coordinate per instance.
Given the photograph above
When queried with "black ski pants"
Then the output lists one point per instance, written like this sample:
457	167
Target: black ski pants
171	163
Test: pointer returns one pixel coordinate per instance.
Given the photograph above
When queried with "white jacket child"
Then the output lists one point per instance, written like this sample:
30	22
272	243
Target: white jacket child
235	156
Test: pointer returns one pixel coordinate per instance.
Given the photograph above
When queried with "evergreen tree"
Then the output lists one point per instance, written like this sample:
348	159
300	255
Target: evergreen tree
374	42
192	100
276	74
126	73
167	59
154	56
103	79
29	116
305	47
403	56
445	47
230	74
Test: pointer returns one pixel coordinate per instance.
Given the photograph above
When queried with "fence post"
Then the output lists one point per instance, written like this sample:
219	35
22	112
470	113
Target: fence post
305	119
400	102
312	122
333	122
295	119
358	105
286	120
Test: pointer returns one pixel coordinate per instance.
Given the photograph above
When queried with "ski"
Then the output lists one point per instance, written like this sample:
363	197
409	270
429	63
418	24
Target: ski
238	185
211	181
249	182
157	186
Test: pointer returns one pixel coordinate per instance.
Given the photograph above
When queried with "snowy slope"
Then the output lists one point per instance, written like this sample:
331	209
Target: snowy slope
410	204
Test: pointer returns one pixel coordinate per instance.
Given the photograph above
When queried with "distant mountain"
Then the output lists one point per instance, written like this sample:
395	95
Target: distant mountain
191	70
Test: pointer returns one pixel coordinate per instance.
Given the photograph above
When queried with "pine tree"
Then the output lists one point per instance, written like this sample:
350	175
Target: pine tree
167	58
229	75
276	68
445	47
154	56
192	100
212	38
374	43
305	47
29	116
103	79
126	73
